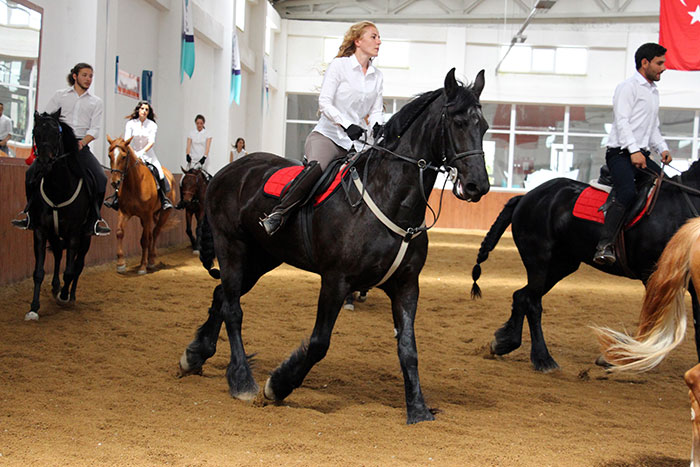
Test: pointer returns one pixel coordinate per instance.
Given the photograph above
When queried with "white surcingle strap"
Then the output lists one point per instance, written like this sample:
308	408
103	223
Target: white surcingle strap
407	235
55	207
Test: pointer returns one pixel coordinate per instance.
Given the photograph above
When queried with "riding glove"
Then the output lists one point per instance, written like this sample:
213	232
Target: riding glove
189	159
201	161
354	131
377	130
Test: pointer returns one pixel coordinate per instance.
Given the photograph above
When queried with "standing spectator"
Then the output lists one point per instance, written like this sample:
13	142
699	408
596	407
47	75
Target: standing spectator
238	150
82	110
5	130
198	144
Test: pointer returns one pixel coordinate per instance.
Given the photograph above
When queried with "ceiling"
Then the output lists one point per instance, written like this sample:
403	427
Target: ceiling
468	11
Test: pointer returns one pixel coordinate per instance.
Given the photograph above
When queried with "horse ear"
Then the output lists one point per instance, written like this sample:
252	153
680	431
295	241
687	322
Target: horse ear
128	141
451	85
56	114
183	170
36	115
109	140
479	82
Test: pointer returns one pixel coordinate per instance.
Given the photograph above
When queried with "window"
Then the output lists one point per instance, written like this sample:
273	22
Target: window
551	60
240	14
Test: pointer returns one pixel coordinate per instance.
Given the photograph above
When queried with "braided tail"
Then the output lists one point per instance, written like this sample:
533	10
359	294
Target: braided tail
491	240
206	251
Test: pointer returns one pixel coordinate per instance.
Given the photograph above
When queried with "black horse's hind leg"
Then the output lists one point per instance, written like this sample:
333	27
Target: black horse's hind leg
79	264
241	383
68	274
38	276
188	229
539	354
509	336
404	301
291	373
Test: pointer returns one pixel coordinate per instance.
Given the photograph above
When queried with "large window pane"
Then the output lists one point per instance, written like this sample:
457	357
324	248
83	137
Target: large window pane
296	137
590	119
497	115
302	107
537	159
676	122
588	156
496	149
539	117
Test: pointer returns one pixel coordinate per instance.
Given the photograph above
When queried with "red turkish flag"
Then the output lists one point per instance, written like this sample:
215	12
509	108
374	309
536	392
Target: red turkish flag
679	32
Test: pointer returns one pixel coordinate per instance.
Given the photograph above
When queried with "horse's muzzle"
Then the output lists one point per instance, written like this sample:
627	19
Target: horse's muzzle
469	191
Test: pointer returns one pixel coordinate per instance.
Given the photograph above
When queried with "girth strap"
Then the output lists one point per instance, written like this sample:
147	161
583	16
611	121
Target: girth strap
55	207
407	235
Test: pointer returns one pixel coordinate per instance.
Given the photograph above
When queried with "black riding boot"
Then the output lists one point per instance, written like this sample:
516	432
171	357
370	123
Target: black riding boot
99	226
296	194
22	221
614	217
165	203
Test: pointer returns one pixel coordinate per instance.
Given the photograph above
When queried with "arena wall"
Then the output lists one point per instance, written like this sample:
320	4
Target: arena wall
16	246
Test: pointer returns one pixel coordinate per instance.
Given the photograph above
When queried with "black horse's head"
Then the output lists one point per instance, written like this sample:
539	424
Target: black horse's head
462	132
52	139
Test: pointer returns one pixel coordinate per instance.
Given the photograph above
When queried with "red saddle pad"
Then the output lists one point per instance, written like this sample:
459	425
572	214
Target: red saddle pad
279	182
590	200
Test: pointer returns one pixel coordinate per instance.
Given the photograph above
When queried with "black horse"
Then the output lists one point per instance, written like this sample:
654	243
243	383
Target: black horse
351	248
60	218
553	243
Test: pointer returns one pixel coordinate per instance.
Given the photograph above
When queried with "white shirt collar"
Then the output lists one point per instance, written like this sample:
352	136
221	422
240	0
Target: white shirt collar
356	64
643	81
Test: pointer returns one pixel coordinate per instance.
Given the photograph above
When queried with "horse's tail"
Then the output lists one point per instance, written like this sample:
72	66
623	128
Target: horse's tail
491	240
662	321
206	250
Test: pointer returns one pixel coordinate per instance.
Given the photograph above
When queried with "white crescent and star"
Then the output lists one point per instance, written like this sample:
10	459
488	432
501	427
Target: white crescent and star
695	15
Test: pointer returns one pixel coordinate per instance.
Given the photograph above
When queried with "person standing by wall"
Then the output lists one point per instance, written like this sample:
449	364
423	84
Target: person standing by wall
238	150
82	110
198	144
635	130
5	130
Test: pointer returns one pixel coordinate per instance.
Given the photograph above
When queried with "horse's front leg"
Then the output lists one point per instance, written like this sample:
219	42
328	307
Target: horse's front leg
79	264
38	276
291	373
198	231
121	262
188	228
152	249
56	280
146	237
404	301
68	273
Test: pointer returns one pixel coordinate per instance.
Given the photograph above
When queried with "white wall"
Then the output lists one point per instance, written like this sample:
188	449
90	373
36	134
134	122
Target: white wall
469	48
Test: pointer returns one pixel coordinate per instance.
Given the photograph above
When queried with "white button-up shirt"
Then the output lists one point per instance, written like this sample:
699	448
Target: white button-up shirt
348	96
5	126
636	116
142	135
82	113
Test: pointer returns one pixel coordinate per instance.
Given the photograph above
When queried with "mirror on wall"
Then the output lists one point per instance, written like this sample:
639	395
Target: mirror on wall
20	44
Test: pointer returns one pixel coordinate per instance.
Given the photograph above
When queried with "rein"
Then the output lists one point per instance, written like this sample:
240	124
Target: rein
423	165
685	189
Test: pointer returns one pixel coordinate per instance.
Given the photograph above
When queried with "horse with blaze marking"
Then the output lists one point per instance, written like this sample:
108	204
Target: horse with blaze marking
351	248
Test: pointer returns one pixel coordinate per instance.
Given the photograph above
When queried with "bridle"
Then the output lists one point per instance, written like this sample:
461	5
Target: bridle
197	187
58	148
122	173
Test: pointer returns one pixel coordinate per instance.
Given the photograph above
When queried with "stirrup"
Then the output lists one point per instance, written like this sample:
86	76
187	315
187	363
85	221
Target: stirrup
22	224
166	204
604	255
113	203
101	230
272	222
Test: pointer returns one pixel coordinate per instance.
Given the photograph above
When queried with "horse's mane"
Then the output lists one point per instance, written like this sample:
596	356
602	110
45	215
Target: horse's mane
399	122
70	143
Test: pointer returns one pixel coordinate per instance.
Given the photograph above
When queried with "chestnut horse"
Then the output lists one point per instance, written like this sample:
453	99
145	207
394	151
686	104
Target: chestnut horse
137	192
193	189
662	321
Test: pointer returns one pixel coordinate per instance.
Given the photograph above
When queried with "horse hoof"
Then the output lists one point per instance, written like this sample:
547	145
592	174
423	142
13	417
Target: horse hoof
268	392
195	252
349	307
141	272
121	269
62	302
185	369
601	361
31	316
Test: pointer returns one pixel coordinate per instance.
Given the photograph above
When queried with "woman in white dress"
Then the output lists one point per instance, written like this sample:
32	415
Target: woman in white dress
198	144
238	150
142	128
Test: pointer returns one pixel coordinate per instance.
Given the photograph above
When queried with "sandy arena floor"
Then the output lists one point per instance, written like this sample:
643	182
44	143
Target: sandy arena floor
97	385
